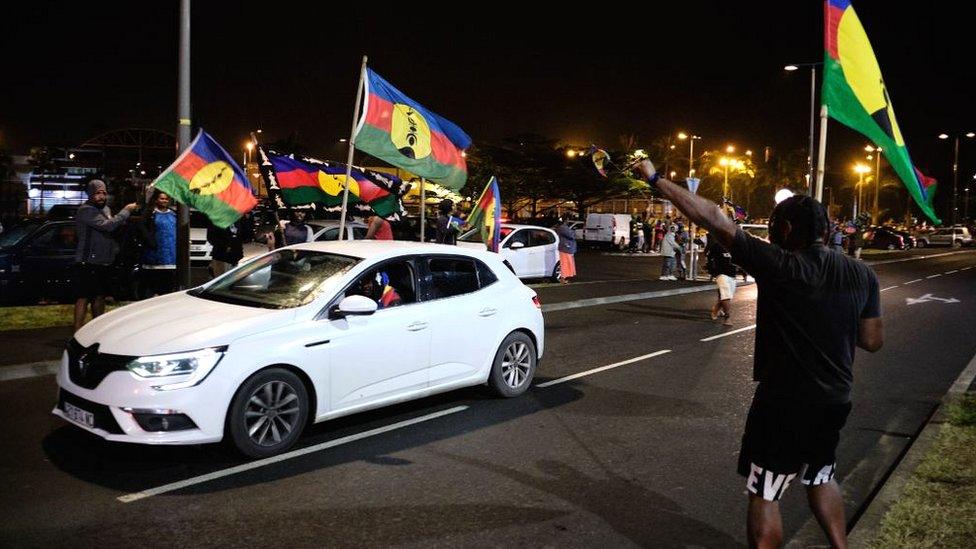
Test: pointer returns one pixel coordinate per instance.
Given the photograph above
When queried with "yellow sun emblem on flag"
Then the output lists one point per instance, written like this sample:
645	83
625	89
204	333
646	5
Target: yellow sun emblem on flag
409	132
332	184
212	178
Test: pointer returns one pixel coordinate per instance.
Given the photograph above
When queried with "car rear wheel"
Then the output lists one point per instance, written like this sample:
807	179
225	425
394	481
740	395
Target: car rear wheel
957	243
268	413
514	366
556	272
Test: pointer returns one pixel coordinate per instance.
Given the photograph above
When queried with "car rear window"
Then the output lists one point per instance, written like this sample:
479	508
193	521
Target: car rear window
452	276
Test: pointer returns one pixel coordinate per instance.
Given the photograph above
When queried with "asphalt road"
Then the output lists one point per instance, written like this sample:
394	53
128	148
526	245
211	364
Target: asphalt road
639	454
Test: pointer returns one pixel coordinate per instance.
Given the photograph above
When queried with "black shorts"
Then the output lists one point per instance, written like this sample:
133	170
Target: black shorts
784	438
92	280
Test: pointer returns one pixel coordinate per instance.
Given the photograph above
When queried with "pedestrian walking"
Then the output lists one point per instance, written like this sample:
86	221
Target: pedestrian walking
813	307
96	251
648	234
158	235
681	238
228	245
447	230
636	230
718	261
567	251
668	249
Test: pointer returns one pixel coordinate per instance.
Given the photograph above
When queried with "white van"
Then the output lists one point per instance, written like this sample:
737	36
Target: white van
607	229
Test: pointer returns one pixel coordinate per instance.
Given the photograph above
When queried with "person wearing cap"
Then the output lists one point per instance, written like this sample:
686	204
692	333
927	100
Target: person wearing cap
96	250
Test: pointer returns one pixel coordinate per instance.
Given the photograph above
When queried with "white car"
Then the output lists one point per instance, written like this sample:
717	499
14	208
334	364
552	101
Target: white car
533	252
322	230
300	335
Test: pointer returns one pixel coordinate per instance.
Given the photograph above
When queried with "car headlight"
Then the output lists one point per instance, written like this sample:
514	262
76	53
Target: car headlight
195	364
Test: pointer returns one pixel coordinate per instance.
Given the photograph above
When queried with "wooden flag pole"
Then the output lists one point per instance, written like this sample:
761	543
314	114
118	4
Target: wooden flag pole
423	208
352	147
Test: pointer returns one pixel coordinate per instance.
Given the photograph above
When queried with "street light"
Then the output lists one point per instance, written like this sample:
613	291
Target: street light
955	171
730	149
693	267
248	147
570	153
877	178
860	170
724	162
691	150
813	102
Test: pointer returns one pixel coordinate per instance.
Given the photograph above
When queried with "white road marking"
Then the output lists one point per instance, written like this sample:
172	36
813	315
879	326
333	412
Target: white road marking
965	268
916	258
129	498
726	334
889	287
603	368
933	276
913	281
952	271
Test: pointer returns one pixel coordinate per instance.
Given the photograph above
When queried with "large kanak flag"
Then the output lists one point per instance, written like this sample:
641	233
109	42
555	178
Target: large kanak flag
208	179
855	95
401	131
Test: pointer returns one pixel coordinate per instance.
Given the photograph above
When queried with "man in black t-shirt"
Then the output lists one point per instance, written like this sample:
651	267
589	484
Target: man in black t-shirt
814	305
721	268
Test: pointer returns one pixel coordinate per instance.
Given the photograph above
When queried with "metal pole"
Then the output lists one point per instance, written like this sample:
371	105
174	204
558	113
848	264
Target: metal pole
423	209
813	101
822	146
352	147
877	186
692	268
955	180
182	142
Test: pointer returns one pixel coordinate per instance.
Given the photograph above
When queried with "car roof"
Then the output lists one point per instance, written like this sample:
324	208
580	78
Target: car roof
517	226
382	249
329	223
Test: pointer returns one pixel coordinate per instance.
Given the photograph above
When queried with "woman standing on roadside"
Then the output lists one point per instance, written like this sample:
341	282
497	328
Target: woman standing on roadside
567	249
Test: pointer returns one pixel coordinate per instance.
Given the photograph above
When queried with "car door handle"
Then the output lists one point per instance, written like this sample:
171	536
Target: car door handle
487	311
416	326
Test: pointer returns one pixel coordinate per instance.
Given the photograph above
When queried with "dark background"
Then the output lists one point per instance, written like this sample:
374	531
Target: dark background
580	75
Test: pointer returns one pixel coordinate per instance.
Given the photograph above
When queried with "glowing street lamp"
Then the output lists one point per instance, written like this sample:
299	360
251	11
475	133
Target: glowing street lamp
860	170
691	150
955	171
570	153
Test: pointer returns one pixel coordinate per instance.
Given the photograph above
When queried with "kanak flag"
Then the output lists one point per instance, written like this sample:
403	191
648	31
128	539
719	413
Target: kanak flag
207	178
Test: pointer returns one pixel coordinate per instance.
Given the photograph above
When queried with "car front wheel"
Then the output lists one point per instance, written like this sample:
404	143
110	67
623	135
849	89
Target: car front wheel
268	413
514	366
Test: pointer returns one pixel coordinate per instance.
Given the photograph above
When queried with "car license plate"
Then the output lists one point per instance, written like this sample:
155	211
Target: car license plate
79	416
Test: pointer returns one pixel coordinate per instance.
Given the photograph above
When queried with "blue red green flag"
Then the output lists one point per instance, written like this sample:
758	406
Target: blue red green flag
401	131
486	215
208	179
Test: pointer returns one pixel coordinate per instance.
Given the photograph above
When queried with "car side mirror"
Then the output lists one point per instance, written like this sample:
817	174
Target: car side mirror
517	245
353	305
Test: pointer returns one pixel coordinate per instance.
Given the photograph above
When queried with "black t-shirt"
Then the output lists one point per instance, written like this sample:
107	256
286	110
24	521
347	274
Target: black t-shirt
808	313
719	260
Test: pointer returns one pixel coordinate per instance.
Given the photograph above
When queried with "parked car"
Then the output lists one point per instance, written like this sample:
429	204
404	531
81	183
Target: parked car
323	230
301	335
36	261
533	252
948	236
61	212
200	248
603	229
577	227
883	238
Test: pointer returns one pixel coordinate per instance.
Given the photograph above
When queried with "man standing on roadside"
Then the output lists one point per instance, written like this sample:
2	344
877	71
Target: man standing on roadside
720	266
813	307
96	250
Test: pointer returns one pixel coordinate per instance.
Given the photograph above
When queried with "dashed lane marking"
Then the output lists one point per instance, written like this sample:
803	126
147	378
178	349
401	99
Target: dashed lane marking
603	368
726	334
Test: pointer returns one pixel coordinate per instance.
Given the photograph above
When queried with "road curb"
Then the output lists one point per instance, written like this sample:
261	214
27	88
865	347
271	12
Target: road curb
868	522
31	369
564	305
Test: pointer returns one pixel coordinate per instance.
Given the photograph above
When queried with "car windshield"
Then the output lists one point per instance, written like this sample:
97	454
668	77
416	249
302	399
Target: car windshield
15	234
281	280
474	235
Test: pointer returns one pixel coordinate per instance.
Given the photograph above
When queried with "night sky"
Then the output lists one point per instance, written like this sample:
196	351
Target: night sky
75	69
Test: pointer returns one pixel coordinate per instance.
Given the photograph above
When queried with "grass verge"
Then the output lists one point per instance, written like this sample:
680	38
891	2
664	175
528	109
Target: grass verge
40	316
938	506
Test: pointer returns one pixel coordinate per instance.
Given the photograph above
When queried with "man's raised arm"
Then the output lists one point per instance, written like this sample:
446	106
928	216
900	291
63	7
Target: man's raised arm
699	210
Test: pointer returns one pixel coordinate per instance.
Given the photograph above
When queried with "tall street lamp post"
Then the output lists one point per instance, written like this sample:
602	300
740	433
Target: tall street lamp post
692	271
955	171
860	170
813	102
877	179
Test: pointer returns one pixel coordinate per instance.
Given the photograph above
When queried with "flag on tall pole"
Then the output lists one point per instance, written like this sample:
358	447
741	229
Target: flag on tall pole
855	95
486	216
401	131
207	178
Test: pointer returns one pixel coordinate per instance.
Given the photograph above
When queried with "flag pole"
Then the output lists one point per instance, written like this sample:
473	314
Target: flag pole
821	154
423	208
352	148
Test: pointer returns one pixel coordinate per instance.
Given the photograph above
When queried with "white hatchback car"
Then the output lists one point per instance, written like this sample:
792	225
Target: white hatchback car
533	252
303	334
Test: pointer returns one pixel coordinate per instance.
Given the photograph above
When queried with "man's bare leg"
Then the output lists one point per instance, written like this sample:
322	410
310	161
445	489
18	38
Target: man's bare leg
81	308
764	527
827	505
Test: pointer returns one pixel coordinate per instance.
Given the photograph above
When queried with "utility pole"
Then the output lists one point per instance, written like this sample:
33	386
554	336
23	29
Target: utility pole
183	129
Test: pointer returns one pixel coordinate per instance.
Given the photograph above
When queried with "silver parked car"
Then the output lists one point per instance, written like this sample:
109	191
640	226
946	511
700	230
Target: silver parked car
949	236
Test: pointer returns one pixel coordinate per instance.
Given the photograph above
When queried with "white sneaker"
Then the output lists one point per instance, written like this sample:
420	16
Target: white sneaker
664	278
672	277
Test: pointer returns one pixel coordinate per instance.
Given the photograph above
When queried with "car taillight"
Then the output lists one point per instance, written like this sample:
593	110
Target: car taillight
536	302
